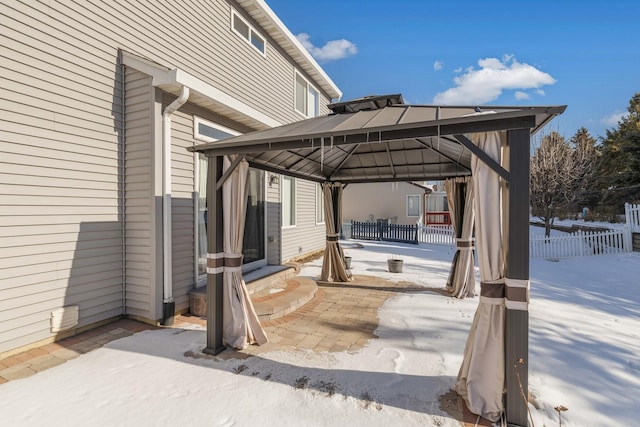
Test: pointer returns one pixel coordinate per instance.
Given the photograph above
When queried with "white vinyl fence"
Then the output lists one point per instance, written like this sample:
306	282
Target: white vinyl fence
632	214
436	234
579	244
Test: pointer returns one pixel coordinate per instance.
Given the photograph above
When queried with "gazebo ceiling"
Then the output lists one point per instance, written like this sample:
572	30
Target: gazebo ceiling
378	139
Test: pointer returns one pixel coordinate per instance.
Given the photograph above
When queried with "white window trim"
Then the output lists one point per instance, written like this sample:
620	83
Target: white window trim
307	97
197	135
201	279
295	199
407	205
252	30
319	195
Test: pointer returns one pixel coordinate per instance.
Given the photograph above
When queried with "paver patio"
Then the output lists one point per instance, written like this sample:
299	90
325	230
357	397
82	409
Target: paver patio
341	317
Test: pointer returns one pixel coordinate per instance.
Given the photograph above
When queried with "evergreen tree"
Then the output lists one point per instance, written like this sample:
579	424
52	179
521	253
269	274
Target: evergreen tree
619	172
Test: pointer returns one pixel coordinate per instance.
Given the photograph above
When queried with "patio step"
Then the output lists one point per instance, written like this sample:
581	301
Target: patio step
274	290
278	301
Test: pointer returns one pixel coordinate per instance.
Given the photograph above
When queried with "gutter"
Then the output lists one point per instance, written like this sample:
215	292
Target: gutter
168	303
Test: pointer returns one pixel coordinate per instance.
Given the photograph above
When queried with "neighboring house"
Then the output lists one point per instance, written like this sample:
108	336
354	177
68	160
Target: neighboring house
437	208
395	202
83	89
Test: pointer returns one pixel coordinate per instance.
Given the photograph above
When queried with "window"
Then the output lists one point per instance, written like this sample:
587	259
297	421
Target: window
288	201
319	205
307	98
413	205
206	131
247	32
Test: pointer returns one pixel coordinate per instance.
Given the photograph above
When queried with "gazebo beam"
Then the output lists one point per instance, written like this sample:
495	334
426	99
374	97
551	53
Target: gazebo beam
482	156
215	250
517	316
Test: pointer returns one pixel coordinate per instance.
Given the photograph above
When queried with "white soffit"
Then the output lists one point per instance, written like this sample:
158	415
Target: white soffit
269	21
202	93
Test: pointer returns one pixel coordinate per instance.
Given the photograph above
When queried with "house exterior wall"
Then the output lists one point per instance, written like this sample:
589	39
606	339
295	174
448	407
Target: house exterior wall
141	189
274	220
380	200
80	162
306	236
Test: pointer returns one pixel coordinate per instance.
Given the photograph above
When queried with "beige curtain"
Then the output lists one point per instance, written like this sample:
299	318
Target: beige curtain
461	282
481	377
333	268
241	326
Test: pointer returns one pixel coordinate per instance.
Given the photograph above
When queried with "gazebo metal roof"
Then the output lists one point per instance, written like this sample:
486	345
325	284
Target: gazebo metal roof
379	139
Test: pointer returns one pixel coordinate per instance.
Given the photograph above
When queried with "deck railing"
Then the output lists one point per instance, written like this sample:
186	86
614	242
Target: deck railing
437	218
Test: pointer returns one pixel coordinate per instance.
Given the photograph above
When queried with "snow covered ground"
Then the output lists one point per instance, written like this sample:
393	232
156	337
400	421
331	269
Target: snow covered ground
584	354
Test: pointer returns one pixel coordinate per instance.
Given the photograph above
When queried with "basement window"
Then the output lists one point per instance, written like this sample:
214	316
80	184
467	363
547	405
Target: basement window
246	31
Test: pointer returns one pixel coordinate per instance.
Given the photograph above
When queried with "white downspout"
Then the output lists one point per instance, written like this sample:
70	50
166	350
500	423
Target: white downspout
168	304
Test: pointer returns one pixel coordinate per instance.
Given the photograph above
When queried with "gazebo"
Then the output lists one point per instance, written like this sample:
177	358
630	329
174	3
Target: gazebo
381	139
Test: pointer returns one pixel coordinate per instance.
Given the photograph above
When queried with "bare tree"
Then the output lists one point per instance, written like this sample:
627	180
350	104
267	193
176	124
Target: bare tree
560	173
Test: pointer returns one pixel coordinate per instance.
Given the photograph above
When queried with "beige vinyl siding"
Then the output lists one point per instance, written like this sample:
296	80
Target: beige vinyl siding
182	206
60	223
140	287
206	48
61	185
306	236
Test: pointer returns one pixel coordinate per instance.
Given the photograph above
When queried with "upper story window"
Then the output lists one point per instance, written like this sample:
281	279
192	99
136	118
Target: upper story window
205	130
307	98
246	31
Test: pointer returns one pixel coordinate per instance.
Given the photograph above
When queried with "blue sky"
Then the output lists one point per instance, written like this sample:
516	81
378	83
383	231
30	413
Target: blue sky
584	54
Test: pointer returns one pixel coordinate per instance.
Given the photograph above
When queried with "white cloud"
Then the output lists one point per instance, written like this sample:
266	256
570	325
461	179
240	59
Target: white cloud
539	92
486	84
437	66
519	95
332	50
613	118
458	70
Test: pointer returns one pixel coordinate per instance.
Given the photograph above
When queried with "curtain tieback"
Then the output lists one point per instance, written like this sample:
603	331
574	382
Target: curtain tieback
217	263
333	237
232	262
464	244
492	292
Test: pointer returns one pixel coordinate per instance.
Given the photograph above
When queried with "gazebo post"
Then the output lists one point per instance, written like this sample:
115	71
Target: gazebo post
517	315
215	249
